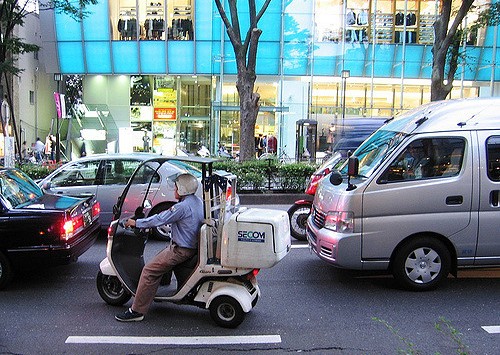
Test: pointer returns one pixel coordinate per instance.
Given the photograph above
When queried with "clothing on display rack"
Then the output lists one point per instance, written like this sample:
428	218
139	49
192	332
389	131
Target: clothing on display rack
182	29
154	28
127	27
351	35
363	17
402	34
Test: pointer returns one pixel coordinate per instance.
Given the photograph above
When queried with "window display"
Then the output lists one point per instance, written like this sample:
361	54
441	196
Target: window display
377	21
181	23
151	20
405	21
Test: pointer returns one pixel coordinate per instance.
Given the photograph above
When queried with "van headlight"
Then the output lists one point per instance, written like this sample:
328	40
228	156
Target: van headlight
340	222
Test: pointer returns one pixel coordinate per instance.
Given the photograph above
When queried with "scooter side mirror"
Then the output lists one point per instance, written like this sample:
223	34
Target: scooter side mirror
335	178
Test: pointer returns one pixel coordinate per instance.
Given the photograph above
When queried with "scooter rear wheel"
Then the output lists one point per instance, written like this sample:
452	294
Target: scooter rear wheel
298	218
226	312
111	290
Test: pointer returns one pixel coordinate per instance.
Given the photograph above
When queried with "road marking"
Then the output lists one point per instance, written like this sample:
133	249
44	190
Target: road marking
492	329
202	340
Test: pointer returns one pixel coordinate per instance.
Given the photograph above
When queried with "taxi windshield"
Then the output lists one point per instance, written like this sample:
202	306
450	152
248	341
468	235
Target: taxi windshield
17	188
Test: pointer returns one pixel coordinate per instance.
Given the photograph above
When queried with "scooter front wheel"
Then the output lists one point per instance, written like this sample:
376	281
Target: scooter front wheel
111	290
226	312
298	218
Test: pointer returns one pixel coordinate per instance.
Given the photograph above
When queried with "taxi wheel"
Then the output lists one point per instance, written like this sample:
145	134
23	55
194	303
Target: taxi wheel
226	312
6	271
162	232
421	264
111	290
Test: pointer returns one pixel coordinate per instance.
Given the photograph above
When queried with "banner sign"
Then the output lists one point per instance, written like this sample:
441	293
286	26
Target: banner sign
165	113
57	99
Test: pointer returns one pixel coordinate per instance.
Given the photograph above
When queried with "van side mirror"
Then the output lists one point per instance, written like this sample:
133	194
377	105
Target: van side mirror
352	170
353	166
335	178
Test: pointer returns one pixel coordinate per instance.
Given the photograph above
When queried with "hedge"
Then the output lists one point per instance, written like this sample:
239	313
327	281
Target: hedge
253	176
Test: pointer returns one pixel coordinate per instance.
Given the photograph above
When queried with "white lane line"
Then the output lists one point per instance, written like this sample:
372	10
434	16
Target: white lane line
492	329
300	246
202	340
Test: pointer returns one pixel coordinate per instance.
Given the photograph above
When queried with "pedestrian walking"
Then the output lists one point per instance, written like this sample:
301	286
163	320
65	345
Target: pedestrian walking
39	149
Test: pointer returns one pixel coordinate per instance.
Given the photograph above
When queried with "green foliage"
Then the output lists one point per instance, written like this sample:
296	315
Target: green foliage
269	174
453	333
253	175
488	16
447	330
35	171
295	175
410	347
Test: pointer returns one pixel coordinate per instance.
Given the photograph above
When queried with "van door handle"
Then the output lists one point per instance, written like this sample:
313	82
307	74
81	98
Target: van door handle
494	198
454	200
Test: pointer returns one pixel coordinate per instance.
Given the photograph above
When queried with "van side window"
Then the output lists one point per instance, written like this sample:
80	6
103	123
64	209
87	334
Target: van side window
427	158
493	156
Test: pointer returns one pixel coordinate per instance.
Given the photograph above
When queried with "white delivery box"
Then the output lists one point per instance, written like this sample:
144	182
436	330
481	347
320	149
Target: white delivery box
255	238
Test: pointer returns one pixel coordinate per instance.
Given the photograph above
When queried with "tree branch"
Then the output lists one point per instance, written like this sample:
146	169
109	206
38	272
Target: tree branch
462	12
254	20
235	38
252	53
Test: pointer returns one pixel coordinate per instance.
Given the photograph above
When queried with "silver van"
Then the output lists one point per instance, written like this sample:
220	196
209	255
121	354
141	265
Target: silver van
420	197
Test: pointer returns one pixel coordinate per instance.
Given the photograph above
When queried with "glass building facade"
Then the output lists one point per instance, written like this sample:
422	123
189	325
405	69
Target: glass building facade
166	68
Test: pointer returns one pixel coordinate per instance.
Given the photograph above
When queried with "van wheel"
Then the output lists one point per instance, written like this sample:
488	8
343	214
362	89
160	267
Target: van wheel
421	264
111	290
161	232
226	312
6	271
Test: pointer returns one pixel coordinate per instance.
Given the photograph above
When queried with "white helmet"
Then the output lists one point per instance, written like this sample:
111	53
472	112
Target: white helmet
186	184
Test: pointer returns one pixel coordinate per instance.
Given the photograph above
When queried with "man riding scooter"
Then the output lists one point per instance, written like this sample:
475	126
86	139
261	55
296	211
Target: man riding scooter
186	218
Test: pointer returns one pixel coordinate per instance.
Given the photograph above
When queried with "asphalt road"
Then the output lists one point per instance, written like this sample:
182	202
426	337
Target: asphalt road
306	306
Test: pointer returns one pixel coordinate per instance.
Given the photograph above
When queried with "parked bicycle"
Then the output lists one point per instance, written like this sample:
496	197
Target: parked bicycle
282	156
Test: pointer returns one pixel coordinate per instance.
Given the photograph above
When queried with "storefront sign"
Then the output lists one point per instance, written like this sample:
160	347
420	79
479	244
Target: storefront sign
165	113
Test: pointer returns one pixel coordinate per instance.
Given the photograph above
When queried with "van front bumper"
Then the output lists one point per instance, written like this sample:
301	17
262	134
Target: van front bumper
340	249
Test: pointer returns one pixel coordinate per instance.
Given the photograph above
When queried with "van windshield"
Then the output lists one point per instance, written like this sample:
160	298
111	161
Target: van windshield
374	150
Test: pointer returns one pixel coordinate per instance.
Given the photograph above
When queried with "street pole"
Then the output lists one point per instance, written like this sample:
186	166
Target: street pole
345	74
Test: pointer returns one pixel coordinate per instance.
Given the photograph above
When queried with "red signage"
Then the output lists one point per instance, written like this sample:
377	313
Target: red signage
165	113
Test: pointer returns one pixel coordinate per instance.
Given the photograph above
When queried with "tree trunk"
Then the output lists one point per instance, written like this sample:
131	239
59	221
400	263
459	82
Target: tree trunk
446	36
249	109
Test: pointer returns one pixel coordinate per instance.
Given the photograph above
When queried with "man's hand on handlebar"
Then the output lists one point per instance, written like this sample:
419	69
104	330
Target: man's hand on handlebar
129	223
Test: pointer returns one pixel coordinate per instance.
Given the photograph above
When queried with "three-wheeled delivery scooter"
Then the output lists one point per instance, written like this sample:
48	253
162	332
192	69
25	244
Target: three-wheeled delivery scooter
234	243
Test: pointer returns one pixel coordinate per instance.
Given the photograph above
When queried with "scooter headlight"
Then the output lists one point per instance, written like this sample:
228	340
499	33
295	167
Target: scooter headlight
340	221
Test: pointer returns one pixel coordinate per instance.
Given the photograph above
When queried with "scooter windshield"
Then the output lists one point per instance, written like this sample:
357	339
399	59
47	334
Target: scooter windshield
141	190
